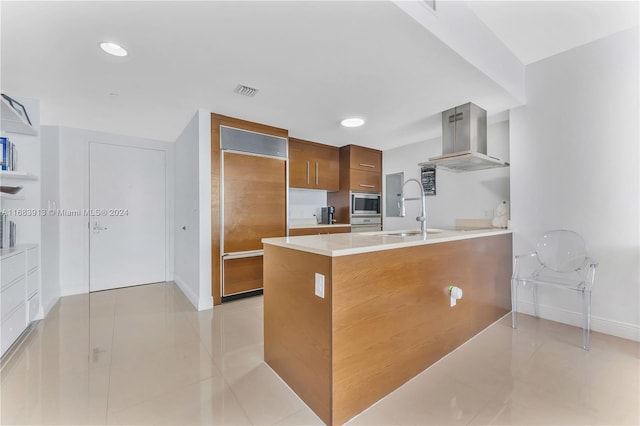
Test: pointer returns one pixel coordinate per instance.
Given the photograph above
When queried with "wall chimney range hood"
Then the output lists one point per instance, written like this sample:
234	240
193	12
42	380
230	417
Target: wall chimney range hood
464	141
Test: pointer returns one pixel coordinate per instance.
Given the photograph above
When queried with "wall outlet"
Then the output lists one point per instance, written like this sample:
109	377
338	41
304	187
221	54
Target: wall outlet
319	285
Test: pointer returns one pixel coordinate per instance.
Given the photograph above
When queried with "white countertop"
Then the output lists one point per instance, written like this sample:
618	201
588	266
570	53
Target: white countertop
18	248
335	245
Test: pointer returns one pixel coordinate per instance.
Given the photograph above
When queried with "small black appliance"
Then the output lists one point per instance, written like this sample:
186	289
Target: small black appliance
326	215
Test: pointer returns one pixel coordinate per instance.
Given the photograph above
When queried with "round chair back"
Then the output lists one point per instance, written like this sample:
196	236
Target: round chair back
561	250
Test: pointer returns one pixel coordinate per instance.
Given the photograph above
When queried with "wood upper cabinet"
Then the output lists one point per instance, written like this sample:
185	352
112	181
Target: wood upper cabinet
360	180
313	165
361	158
360	170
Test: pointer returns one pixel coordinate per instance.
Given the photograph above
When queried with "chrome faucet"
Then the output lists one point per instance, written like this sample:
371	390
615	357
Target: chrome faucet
422	218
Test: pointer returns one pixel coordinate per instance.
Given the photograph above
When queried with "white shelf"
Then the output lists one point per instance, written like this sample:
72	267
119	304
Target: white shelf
6	174
11	196
12	122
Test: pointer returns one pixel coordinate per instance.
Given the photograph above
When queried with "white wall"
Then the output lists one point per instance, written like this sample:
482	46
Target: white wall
575	165
50	200
305	203
74	195
467	195
192	270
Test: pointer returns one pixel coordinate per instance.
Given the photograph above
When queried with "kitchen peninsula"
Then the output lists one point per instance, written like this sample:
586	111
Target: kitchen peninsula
350	317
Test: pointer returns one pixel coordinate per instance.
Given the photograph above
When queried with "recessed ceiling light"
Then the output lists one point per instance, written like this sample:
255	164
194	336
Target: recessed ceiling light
352	122
113	49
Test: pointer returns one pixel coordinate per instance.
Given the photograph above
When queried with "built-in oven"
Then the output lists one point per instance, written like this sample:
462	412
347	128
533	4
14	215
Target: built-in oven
365	203
365	212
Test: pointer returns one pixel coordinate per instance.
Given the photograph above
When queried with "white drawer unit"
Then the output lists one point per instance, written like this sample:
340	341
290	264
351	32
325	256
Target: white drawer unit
32	259
12	267
32	283
12	296
33	307
19	292
12	327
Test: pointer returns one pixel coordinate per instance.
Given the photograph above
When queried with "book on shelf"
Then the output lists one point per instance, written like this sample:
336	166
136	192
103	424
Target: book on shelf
9	159
7	232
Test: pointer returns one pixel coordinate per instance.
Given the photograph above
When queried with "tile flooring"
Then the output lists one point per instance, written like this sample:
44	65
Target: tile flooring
153	359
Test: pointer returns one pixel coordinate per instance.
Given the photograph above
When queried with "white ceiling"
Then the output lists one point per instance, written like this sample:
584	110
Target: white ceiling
314	63
535	30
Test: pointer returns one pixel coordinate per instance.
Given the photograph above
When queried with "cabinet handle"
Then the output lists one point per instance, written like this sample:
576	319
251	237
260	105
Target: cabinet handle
366	186
316	173
308	181
367	165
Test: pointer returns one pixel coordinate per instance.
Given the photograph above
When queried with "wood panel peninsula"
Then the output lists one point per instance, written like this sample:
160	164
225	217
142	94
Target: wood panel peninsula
385	315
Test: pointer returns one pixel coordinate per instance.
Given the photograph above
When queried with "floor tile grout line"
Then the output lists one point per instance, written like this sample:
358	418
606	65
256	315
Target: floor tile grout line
113	338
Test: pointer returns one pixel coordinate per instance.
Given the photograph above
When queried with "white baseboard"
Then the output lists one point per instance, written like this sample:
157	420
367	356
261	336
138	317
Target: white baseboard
205	303
189	294
602	325
200	303
47	308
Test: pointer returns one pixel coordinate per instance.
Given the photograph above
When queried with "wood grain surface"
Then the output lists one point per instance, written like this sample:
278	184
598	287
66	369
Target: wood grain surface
388	313
255	204
216	276
391	313
362	158
306	157
218	120
242	275
297	324
365	181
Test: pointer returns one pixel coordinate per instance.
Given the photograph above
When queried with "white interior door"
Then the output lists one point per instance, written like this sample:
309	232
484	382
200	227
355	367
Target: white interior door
128	216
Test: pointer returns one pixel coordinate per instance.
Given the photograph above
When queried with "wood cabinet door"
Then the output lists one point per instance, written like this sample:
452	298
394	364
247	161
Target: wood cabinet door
299	164
365	181
313	165
326	168
242	275
254	197
361	158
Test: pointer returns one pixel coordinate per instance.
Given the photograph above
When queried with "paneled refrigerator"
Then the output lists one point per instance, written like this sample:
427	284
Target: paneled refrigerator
253	194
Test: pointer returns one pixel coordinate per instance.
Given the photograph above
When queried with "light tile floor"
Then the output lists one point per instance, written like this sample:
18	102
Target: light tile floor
143	355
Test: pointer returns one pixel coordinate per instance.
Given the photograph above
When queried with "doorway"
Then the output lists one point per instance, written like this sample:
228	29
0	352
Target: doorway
128	213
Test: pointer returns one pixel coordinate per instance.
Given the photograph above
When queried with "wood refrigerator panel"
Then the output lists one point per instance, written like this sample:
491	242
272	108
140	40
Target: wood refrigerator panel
255	207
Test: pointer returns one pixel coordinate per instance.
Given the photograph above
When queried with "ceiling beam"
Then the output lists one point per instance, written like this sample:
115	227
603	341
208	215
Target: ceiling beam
455	24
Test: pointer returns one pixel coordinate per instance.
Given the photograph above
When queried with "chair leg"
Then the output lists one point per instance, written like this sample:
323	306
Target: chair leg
534	290
586	330
514	303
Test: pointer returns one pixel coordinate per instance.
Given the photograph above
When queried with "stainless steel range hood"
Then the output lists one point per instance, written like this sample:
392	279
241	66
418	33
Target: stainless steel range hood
464	141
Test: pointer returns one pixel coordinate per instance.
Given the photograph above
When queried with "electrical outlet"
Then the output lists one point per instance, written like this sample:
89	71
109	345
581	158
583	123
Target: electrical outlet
319	285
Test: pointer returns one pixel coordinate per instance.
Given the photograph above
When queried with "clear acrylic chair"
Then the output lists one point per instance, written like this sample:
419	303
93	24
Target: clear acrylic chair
563	263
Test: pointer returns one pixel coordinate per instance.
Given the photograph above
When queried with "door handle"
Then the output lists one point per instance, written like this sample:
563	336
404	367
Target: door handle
97	228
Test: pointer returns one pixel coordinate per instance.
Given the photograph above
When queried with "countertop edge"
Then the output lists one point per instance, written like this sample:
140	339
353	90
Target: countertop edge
285	242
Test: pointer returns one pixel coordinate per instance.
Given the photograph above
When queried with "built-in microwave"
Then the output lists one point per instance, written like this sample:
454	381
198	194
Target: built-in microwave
365	203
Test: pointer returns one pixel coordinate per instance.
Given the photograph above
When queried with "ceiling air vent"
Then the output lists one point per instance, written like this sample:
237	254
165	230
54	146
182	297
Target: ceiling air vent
246	90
